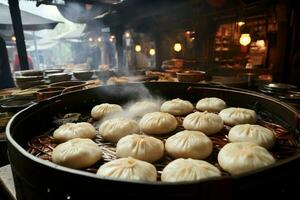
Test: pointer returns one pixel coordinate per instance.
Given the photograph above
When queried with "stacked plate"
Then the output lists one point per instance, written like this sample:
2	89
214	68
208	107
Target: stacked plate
281	90
276	88
24	82
29	78
58	77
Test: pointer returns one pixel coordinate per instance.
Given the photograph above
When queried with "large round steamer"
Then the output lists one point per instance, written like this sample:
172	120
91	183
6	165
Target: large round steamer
39	179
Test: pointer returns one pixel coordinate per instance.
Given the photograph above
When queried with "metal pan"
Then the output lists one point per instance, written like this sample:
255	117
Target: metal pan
39	179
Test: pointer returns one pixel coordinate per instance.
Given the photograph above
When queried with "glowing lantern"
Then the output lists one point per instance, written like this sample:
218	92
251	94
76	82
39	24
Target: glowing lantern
177	47
152	52
138	48
245	39
127	35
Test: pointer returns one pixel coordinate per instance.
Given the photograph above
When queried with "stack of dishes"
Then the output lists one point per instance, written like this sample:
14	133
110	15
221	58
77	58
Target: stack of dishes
276	87
29	78
53	71
58	77
24	82
29	73
283	91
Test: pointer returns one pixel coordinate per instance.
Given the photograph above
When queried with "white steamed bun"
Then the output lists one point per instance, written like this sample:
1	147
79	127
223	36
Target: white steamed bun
211	104
189	144
208	123
234	116
77	153
105	109
70	131
188	170
128	169
252	133
114	129
240	157
177	107
141	147
158	123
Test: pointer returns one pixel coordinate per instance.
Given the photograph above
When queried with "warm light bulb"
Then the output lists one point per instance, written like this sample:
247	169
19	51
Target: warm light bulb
241	23
152	52
138	48
91	39
177	47
245	39
99	39
127	35
13	38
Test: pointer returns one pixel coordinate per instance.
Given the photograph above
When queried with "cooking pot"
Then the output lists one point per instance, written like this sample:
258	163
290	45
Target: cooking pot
40	179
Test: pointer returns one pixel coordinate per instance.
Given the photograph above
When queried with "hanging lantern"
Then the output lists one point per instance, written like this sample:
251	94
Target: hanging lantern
177	47
127	35
111	38
152	52
137	48
245	39
13	38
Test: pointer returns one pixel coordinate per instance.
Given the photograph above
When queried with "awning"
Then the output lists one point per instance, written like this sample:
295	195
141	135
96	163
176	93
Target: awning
30	21
7	34
43	44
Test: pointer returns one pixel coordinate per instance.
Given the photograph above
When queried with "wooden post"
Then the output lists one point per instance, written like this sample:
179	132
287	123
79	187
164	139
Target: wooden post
16	19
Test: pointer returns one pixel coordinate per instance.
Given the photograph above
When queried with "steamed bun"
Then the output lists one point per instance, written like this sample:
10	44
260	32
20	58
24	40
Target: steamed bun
252	133
189	144
141	147
139	109
240	157
114	129
177	107
77	153
235	116
211	104
208	123
70	131
188	170
105	109
128	169
158	123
